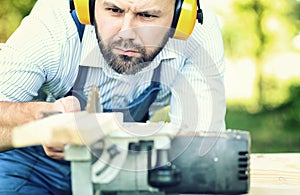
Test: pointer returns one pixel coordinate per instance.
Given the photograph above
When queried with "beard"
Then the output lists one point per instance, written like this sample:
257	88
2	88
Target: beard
124	64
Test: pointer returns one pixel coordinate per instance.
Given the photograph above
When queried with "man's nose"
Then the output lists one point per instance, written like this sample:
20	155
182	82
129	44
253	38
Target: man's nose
128	28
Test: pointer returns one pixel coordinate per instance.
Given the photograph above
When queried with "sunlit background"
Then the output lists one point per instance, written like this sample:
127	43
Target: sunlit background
262	46
258	33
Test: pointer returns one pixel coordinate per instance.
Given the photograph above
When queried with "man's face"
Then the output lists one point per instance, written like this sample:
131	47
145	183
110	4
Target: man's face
132	32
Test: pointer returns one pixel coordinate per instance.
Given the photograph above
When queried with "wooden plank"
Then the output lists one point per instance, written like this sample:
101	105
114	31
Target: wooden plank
272	174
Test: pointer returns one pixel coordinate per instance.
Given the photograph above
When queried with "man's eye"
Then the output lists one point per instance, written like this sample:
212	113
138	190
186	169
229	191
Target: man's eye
115	10
145	15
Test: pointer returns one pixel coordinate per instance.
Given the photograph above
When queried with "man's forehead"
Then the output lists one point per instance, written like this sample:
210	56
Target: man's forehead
139	3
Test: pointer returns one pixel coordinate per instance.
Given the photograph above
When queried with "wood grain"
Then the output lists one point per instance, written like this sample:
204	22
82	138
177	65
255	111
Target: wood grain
272	174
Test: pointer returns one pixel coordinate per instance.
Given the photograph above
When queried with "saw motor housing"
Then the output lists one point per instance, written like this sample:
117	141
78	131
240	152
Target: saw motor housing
189	163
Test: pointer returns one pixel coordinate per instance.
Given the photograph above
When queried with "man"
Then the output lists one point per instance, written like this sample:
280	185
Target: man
139	68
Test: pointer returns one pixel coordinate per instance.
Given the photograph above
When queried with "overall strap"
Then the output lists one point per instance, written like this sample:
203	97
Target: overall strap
137	110
81	77
77	89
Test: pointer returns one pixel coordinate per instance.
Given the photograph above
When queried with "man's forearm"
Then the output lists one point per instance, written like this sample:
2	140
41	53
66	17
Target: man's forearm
5	139
13	114
16	113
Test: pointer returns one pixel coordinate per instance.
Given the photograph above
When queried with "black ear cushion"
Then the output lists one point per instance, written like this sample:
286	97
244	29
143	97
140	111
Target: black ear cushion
177	12
92	11
72	6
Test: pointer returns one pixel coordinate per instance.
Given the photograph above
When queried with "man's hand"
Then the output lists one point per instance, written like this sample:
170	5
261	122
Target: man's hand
80	128
66	104
55	151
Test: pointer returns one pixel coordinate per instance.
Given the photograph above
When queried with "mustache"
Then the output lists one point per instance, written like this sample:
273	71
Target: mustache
127	45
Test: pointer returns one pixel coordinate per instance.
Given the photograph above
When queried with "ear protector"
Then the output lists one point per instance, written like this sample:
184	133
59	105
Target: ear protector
185	14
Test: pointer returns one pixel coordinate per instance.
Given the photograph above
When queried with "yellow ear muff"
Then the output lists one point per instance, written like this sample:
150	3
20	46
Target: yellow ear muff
85	11
186	20
185	15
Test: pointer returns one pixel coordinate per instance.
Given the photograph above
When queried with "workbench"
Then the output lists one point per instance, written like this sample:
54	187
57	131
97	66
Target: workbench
275	174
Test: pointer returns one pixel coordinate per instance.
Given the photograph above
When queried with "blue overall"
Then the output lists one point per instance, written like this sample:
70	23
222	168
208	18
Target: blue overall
29	171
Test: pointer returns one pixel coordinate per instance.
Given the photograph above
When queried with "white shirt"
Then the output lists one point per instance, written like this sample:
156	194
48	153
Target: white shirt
43	55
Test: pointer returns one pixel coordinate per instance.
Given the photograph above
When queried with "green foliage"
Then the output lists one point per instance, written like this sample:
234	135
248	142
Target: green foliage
273	130
276	92
291	108
11	14
257	27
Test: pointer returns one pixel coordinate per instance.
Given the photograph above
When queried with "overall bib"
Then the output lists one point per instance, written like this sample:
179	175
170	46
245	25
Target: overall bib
29	171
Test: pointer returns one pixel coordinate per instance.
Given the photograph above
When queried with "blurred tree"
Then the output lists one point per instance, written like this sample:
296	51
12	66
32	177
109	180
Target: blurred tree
261	30
11	14
258	29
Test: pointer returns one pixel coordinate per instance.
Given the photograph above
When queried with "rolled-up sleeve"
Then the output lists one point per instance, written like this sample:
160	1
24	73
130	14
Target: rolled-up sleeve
39	54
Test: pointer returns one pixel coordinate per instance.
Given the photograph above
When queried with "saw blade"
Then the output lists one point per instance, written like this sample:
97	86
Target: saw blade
93	103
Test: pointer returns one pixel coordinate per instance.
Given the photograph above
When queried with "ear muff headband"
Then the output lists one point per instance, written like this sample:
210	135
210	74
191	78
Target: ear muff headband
185	15
85	10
